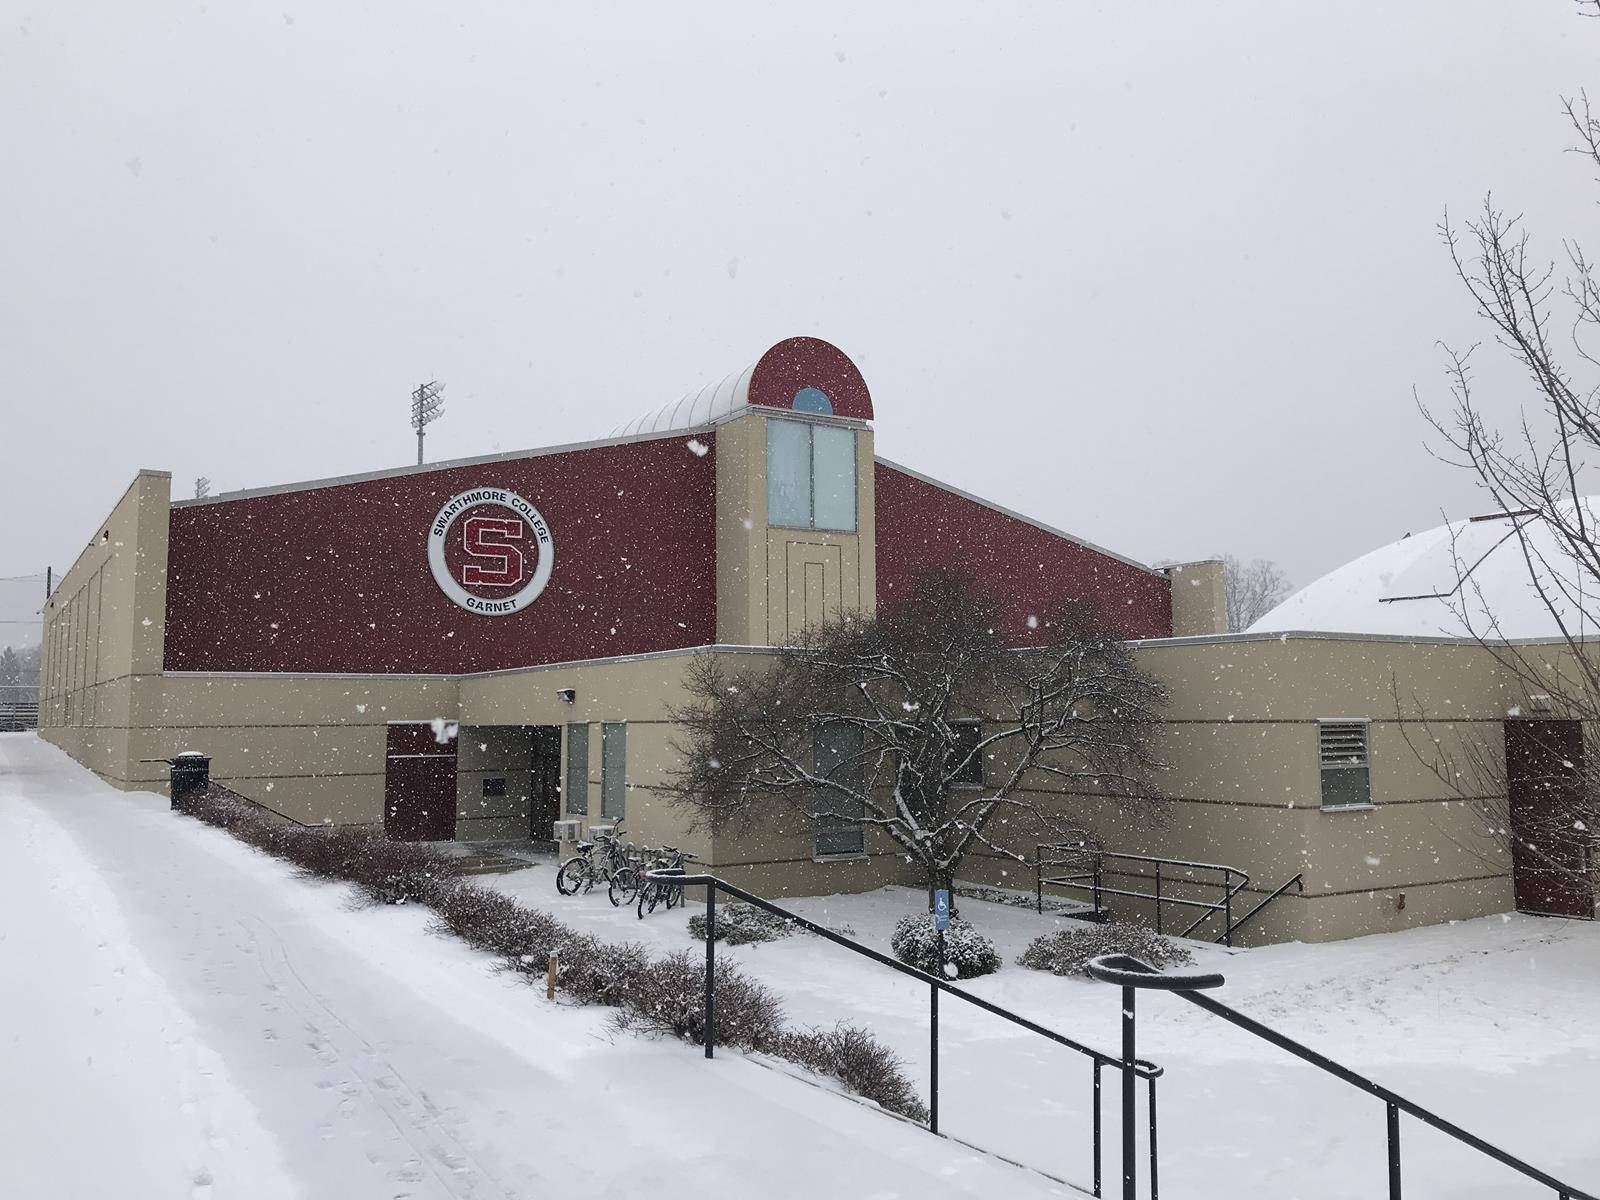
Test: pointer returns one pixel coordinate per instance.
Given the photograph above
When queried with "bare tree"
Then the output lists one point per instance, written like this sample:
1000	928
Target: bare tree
923	723
1545	318
1251	590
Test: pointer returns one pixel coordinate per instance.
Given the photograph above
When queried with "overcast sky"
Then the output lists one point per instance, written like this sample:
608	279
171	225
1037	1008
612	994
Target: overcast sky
1162	274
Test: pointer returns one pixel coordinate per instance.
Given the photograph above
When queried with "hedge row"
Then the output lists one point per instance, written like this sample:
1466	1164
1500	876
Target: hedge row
651	995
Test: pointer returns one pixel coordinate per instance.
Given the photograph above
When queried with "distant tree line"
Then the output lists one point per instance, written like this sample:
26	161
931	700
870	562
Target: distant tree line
19	666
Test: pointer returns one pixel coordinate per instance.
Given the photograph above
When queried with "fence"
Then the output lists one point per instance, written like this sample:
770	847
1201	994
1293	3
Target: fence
19	707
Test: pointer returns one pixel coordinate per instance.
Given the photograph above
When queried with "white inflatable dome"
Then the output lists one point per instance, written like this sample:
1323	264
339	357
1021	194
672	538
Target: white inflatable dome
1459	580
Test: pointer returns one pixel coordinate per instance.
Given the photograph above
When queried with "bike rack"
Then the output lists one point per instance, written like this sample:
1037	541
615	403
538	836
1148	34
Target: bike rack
1133	975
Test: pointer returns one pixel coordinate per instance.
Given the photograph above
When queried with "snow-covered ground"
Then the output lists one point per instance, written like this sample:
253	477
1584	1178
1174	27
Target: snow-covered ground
1494	1024
185	1018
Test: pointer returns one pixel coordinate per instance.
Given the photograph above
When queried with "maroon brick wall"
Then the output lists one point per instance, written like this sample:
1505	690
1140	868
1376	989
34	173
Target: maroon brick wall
1029	569
337	578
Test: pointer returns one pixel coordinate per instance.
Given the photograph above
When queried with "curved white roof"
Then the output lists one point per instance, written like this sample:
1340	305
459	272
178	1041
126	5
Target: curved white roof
710	403
1457	580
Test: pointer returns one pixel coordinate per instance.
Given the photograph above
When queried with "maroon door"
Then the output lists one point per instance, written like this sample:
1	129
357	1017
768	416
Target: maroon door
419	784
1549	851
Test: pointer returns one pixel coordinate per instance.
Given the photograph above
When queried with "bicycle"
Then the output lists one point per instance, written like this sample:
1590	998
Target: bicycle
654	892
623	887
581	872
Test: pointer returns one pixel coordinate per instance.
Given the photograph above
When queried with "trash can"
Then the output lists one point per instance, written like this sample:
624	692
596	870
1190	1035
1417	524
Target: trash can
190	775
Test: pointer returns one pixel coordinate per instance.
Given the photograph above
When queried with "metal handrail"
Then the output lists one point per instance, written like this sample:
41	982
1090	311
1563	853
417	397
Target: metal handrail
1131	974
1097	888
1131	1067
1296	881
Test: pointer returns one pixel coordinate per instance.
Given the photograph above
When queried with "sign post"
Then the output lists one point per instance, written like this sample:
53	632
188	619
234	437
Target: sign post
941	922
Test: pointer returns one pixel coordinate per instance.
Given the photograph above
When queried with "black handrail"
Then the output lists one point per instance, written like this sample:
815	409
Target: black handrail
1130	1066
1297	881
1130	974
1233	882
1098	889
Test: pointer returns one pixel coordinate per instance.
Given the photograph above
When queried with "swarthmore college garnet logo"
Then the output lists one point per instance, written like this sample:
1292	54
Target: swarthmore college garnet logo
490	551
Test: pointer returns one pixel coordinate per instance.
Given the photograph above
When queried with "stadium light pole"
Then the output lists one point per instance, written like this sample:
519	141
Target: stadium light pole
427	403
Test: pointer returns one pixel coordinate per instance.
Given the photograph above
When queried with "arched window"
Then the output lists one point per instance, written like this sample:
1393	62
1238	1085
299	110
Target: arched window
812	400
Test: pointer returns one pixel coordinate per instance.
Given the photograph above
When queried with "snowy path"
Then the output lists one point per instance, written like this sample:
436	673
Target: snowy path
186	1019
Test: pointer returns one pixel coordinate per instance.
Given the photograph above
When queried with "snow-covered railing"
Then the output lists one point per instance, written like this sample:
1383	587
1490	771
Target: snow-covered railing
1131	1068
1133	975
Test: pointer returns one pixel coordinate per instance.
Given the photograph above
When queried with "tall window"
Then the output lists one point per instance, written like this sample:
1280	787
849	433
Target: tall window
967	736
1346	772
836	754
613	770
811	475
578	770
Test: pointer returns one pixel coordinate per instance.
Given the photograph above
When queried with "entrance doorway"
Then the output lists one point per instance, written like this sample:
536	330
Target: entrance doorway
1550	858
419	784
544	807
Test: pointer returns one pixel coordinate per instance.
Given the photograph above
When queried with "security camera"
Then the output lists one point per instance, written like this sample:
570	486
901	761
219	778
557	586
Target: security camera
567	694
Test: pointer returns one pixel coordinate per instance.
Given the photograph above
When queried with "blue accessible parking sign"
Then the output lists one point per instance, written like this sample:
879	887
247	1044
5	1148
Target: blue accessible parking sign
941	910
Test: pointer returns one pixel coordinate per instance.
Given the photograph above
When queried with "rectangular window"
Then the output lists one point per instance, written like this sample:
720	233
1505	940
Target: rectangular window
967	735
613	770
578	770
833	474
788	473
811	476
836	754
1346	773
493	788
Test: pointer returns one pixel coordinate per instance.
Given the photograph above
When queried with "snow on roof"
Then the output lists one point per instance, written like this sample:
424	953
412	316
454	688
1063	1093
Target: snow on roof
711	403
1464	578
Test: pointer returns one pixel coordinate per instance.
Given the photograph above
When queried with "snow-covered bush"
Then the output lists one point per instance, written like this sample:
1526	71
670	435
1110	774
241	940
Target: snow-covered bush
740	924
967	952
668	996
856	1059
1068	951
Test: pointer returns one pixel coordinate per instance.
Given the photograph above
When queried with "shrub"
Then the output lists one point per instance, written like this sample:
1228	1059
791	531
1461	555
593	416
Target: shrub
857	1060
1068	951
739	924
668	996
967	953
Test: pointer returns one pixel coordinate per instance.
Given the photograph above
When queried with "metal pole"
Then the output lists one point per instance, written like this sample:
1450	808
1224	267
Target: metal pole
1154	1163
1097	1127
933	1058
1097	863
1038	880
1158	895
1130	1170
1227	907
419	446
1394	1153
711	967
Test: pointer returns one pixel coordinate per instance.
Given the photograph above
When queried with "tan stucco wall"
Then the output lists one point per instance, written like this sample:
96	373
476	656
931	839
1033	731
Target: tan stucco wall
104	629
1199	602
764	592
1241	739
494	752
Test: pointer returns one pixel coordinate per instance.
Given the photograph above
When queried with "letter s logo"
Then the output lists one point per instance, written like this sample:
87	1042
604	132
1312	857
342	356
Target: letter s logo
490	538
